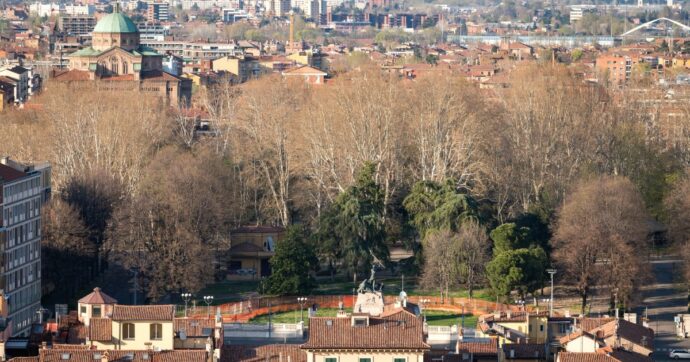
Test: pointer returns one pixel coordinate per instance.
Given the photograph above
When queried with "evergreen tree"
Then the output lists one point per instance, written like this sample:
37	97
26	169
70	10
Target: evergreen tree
292	265
434	206
354	226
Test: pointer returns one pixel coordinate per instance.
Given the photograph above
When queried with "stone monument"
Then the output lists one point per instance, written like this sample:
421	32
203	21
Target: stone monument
370	296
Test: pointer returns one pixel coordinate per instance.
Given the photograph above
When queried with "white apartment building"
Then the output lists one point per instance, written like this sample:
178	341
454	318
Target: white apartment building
50	9
80	9
207	4
23	190
44	10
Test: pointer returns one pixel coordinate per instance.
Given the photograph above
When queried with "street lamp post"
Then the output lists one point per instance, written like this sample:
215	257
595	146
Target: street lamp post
186	297
301	301
208	299
422	303
551	272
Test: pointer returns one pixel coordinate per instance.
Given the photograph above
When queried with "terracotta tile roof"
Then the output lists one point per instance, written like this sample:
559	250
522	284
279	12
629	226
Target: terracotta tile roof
588	324
603	356
70	347
525	351
100	329
50	355
401	330
267	353
626	356
257	229
143	312
565	339
583	357
9	174
489	348
71	75
193	327
304	70
97	297
632	332
25	359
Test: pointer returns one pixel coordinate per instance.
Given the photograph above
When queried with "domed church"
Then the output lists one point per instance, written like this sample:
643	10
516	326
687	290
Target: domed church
115	55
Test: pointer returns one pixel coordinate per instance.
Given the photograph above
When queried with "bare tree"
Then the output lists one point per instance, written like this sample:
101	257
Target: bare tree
600	237
440	270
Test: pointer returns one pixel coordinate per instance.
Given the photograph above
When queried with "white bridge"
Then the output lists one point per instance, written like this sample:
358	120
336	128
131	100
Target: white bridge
650	23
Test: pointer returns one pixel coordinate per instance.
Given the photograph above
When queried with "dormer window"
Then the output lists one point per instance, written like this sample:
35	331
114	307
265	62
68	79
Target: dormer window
360	320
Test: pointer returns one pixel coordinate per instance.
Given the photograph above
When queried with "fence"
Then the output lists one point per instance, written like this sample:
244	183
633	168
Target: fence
250	308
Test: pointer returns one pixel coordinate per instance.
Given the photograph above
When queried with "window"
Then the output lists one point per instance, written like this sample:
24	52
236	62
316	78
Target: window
156	331
96	311
331	359
400	359
82	310
541	328
128	331
365	359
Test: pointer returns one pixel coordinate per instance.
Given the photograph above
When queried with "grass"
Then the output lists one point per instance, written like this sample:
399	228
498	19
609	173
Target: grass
393	287
229	291
232	291
294	316
433	317
443	318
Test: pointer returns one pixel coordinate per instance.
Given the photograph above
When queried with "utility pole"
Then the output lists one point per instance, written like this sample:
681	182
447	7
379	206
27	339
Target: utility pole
551	272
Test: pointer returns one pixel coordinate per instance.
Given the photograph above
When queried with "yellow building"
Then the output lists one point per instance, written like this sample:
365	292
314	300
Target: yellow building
95	305
395	336
515	327
135	327
251	248
243	68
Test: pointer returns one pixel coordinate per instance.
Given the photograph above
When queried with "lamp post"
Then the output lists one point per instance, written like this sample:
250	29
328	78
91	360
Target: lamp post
551	272
422	302
301	301
208	299
186	297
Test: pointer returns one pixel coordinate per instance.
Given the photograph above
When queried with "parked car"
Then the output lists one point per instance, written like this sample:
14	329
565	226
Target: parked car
679	354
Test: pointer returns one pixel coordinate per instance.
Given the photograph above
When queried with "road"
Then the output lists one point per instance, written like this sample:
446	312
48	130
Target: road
663	300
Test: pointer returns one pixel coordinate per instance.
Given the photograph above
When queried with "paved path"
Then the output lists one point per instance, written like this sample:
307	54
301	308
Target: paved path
663	300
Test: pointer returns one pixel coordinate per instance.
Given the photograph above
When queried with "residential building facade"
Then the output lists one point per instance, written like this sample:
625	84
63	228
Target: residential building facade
24	189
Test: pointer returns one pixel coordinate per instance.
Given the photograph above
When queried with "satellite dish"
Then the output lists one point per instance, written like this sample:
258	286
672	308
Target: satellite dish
403	295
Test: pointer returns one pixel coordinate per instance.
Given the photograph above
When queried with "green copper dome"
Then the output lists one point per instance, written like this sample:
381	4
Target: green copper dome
115	23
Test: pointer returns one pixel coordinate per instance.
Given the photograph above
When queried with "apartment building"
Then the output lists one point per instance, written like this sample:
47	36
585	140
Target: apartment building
194	52
76	24
157	11
24	190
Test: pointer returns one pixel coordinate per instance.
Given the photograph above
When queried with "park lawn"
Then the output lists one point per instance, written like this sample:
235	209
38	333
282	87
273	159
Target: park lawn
228	291
443	318
294	316
392	286
433	317
232	291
